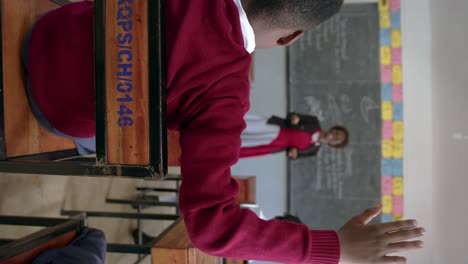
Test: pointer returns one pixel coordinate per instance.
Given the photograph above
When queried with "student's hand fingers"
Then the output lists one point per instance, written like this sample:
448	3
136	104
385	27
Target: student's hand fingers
403	235
403	246
367	215
395	226
393	260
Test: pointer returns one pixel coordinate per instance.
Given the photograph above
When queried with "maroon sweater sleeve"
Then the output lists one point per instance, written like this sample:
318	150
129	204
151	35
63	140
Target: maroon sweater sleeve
215	223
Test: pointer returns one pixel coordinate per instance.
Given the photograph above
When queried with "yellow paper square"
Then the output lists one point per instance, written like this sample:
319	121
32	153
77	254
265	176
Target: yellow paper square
397	218
387	148
398	130
385	21
385	55
396	38
397	149
387	111
384	5
398	186
396	74
387	204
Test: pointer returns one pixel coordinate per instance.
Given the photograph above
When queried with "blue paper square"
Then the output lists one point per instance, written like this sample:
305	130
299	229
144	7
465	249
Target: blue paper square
397	111
395	19
387	167
385	39
387	92
387	218
397	167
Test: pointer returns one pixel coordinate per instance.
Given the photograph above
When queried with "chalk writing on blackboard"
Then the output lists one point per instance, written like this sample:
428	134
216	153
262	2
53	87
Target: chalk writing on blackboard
334	74
314	107
367	105
335	108
332	170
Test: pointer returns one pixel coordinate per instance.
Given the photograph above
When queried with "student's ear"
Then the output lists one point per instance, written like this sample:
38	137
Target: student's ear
291	38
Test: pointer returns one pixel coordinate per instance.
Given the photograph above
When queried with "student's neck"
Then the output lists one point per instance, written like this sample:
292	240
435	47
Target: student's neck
257	26
265	35
245	5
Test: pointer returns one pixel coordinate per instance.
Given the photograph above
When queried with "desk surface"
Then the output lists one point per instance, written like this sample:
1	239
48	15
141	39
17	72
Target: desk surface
175	247
23	134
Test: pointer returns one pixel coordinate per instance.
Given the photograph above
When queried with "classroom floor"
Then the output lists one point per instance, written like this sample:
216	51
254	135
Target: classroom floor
44	195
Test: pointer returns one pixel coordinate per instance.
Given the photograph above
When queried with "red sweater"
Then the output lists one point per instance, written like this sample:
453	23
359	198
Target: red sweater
208	95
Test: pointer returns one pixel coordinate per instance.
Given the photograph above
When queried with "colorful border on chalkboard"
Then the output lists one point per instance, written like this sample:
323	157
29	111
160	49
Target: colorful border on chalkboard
392	109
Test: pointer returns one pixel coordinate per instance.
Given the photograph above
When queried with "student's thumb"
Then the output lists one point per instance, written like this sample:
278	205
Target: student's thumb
367	216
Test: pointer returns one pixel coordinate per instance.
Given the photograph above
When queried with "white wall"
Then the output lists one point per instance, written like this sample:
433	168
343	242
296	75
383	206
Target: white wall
435	72
418	169
450	108
268	96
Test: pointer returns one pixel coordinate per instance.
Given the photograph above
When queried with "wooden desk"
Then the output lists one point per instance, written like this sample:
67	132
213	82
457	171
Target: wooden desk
131	132
247	190
175	247
23	134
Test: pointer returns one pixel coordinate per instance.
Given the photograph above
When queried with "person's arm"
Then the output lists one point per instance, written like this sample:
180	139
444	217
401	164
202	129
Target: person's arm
210	142
308	118
276	120
294	153
310	151
302	122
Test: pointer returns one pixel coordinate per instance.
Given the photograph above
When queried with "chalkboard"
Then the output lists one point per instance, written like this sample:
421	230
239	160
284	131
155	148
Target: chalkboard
334	74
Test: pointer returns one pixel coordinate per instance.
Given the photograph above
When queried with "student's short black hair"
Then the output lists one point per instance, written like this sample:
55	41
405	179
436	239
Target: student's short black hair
289	218
293	14
346	139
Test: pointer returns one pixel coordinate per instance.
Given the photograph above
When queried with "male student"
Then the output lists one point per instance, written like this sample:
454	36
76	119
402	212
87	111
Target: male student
208	45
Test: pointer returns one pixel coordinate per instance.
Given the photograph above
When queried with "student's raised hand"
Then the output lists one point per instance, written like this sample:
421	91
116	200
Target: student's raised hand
361	243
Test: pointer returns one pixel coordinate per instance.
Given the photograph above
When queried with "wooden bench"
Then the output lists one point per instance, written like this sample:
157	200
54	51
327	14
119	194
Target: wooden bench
131	135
